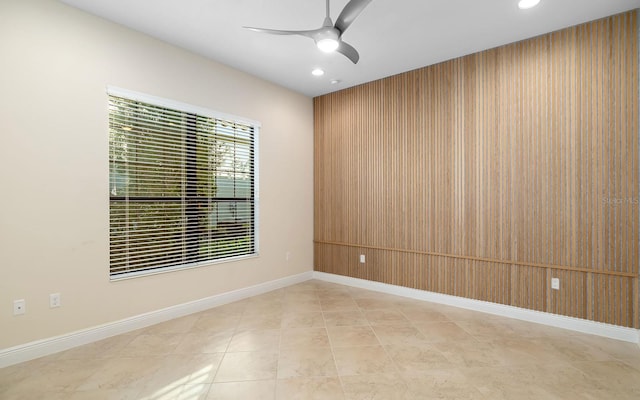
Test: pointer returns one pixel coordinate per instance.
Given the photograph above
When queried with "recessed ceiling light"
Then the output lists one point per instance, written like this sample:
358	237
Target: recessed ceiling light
335	81
524	4
317	72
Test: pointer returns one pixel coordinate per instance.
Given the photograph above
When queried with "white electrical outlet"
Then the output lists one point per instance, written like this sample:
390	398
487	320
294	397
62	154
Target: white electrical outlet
54	300
555	283
19	307
361	258
287	256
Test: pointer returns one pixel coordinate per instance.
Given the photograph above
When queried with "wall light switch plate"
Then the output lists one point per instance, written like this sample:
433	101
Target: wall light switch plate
555	283
362	258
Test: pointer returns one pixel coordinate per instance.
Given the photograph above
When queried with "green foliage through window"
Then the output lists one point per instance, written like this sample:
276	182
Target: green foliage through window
182	188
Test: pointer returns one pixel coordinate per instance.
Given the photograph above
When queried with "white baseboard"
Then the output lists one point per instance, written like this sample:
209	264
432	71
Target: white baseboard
558	321
41	348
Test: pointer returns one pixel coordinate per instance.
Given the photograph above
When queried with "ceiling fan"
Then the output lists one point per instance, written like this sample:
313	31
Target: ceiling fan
328	37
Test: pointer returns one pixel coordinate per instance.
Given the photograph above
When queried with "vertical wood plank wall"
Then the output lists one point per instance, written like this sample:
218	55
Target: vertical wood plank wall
487	175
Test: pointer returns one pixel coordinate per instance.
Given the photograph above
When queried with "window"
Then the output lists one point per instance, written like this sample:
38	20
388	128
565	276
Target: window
182	185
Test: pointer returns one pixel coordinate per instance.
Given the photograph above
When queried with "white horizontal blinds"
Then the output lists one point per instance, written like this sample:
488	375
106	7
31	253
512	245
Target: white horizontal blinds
182	187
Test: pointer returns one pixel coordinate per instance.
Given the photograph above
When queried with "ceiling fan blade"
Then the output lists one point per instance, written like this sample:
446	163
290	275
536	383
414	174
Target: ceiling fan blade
348	51
349	13
310	34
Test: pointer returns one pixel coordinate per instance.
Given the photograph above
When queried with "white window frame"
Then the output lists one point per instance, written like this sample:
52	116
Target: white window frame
204	112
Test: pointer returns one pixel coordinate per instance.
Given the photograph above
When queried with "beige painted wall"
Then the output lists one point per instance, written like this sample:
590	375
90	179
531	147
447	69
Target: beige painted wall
55	63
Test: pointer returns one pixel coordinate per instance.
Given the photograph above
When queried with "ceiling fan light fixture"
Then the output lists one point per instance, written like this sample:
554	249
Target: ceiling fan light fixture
524	4
328	38
328	45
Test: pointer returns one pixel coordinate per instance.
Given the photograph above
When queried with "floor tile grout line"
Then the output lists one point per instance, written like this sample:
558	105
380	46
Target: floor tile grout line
386	352
333	355
275	386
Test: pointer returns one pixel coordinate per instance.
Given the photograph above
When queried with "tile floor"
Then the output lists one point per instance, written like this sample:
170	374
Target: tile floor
318	340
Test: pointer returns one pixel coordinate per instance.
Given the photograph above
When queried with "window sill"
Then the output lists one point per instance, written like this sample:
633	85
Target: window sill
140	274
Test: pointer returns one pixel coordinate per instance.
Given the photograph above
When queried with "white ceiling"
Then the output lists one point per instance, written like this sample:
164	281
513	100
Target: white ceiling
392	36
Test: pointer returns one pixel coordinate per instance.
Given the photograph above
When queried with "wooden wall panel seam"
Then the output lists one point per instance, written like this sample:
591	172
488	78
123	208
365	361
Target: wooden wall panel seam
482	259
